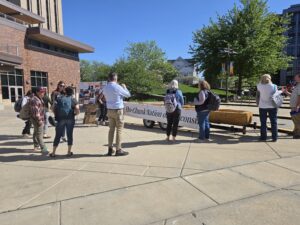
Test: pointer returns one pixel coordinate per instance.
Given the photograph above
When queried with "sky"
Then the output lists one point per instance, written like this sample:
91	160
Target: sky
110	25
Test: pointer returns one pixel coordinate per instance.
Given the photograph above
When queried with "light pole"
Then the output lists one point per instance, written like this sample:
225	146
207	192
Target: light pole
228	52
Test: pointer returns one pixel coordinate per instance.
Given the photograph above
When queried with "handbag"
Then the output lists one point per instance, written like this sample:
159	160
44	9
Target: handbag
277	98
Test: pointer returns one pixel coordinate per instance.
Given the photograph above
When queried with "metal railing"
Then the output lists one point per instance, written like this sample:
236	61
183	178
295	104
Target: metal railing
13	19
10	49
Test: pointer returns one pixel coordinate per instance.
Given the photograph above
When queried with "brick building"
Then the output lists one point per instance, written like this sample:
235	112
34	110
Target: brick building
33	50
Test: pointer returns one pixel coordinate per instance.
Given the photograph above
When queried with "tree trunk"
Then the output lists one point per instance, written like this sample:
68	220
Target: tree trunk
240	82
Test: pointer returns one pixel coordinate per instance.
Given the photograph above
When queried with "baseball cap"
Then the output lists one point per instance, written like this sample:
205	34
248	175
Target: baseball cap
40	89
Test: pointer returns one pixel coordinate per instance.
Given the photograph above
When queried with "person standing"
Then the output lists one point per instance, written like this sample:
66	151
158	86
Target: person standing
103	108
26	130
60	90
295	106
201	106
173	103
47	102
265	90
66	107
114	95
37	119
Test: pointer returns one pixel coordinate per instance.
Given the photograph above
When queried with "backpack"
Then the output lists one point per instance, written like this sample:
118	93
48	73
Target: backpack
214	101
18	105
171	103
25	111
63	108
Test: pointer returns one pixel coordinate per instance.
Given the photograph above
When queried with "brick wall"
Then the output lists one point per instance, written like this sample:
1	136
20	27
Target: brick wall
57	67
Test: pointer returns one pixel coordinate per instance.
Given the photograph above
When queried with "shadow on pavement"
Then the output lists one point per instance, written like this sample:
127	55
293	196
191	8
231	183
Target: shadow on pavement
9	137
13	144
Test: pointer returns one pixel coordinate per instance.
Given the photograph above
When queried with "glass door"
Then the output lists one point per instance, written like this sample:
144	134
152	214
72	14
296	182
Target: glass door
15	93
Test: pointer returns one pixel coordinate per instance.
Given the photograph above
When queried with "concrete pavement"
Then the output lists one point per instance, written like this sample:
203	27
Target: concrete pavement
233	180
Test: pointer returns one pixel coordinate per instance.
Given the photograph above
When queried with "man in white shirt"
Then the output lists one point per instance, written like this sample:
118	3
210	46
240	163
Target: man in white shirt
114	95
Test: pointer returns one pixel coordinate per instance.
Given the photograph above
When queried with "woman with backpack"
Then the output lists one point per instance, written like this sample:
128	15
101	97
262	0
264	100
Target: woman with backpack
173	104
25	100
65	107
59	91
201	106
265	91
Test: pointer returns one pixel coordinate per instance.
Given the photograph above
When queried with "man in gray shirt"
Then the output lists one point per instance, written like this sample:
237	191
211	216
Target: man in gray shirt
295	106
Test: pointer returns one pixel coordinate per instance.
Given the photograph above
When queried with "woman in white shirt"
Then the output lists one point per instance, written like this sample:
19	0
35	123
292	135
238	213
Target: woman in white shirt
265	90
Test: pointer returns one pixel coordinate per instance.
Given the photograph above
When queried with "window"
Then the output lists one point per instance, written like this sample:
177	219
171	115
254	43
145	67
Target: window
39	79
48	14
11	79
38	7
56	15
28	5
52	48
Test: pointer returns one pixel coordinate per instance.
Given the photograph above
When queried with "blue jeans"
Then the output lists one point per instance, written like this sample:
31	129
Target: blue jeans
263	114
61	127
204	126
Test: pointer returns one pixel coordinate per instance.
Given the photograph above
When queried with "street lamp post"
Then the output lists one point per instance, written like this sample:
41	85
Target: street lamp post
228	52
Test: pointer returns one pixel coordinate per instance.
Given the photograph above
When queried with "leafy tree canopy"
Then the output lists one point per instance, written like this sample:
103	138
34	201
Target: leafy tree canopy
250	30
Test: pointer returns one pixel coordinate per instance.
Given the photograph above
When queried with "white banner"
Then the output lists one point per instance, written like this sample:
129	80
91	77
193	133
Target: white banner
158	114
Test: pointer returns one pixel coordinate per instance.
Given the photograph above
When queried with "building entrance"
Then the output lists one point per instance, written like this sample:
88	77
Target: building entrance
12	85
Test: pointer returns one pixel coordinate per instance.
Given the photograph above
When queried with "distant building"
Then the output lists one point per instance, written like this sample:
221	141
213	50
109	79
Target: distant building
293	47
33	49
186	67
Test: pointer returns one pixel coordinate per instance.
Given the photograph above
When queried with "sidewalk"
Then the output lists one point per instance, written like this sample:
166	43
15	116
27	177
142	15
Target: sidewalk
233	180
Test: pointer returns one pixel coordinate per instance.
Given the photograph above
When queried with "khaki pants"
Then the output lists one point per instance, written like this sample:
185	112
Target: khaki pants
38	133
116	121
296	120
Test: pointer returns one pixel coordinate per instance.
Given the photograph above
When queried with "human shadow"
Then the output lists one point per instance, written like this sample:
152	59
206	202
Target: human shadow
38	157
154	142
9	137
15	150
16	143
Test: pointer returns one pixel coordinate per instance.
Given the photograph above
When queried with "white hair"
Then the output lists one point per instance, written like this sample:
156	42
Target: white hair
174	84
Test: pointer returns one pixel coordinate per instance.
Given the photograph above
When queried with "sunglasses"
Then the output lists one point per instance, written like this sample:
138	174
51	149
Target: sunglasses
62	85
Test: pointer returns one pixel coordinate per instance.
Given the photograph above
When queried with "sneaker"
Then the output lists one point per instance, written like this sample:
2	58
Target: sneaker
121	153
110	152
37	149
46	136
27	136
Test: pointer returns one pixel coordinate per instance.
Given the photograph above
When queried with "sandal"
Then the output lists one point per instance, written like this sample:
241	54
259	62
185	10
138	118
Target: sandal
52	155
70	154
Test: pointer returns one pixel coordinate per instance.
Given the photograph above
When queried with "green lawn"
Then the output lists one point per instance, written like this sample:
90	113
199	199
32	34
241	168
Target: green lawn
188	90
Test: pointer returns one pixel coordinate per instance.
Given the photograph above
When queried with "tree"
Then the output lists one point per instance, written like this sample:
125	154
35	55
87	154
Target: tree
144	67
93	71
138	79
253	32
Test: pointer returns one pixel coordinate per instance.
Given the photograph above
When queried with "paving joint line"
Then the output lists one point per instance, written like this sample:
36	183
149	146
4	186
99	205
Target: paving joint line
274	164
252	178
221	204
88	195
47	189
200	191
186	157
60	214
273	150
88	171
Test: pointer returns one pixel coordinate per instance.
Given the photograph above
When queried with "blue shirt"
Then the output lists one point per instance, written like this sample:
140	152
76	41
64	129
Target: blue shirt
179	97
114	94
